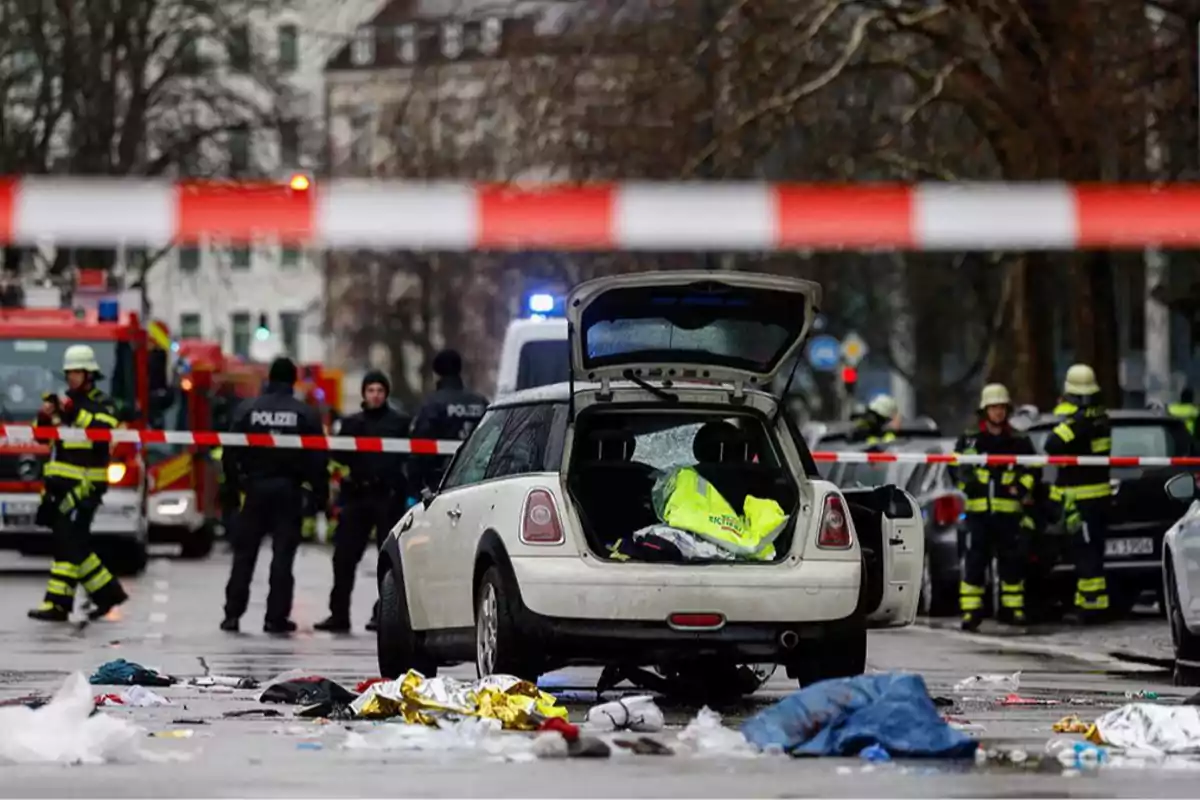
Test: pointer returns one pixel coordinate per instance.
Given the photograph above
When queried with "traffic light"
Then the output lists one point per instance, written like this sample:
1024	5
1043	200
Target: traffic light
849	378
263	332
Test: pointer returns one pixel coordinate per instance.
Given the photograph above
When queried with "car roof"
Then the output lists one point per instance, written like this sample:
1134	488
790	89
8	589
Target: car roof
561	392
1135	415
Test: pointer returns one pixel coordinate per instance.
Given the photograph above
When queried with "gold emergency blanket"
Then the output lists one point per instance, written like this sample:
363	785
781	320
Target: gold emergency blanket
517	704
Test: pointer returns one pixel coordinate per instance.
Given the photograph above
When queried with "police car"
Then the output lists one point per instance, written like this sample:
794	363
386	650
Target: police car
521	561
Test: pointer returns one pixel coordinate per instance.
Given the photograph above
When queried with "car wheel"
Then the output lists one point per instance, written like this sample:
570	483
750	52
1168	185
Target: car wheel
843	655
396	641
498	647
938	598
1185	643
199	544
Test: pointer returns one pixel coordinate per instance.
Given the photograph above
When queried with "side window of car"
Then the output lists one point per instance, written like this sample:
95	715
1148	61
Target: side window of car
471	464
523	442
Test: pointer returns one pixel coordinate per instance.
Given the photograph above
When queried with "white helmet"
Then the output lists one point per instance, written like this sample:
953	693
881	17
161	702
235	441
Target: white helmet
1081	381
884	405
994	394
80	357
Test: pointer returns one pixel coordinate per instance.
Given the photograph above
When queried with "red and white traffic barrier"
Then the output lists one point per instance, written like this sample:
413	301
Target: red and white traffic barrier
624	216
23	434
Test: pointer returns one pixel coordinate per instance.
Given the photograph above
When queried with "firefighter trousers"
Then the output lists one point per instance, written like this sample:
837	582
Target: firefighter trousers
75	563
1001	536
360	515
272	508
1087	553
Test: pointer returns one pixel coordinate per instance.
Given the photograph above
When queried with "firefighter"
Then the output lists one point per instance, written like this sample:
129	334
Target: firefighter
1086	431
272	488
76	477
999	499
1186	409
374	488
872	426
451	412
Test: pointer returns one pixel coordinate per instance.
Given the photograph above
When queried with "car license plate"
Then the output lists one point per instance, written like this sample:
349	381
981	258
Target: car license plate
1141	546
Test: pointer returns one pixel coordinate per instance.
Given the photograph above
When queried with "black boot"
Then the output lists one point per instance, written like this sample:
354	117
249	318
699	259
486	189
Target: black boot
971	622
279	626
107	602
231	625
333	624
48	612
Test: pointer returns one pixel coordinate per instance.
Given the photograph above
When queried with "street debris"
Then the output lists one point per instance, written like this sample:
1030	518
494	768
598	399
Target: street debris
1142	694
840	717
27	701
448	736
1017	700
1071	724
644	746
224	681
706	736
65	730
134	697
126	673
1075	754
307	690
874	753
252	712
990	685
515	703
1148	726
639	714
185	733
186	721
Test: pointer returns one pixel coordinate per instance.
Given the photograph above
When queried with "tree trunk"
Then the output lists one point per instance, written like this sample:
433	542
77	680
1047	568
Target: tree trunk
1032	338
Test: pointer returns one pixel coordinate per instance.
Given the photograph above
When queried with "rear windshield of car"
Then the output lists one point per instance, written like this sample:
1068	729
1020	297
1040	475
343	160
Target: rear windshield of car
544	362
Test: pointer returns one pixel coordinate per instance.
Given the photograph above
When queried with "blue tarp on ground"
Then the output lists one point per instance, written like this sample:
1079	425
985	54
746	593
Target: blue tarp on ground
841	717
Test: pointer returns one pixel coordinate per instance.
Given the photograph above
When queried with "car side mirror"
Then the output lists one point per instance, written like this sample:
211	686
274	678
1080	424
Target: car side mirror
427	496
1181	487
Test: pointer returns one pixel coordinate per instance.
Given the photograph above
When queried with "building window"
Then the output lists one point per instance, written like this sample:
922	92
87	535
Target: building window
406	44
452	40
289	257
289	47
189	326
289	330
239	257
239	151
489	36
238	48
362	51
360	127
289	144
239	321
189	260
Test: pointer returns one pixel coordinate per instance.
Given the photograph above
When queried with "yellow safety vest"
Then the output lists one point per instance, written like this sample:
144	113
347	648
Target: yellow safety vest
685	500
1188	412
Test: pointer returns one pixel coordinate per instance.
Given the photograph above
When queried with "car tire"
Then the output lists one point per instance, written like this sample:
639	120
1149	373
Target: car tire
124	557
498	646
938	598
1185	643
396	641
841	655
199	544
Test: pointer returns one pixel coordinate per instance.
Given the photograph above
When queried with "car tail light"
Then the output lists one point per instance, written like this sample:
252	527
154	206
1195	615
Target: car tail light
947	509
696	621
835	525
539	521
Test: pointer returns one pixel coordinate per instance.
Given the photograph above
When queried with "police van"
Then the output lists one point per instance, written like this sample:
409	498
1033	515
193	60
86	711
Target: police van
535	351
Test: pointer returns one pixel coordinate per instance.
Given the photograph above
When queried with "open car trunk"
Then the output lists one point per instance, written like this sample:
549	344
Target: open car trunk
619	453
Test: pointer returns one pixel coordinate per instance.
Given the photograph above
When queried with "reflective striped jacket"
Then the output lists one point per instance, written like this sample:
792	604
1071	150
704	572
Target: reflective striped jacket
75	463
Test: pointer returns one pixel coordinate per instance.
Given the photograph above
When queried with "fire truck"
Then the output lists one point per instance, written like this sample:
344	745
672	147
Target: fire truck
184	505
32	343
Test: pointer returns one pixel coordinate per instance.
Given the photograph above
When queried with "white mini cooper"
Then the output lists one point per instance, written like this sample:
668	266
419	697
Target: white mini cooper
517	561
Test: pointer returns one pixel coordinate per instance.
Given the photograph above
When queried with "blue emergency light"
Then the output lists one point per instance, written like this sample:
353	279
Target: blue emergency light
541	303
108	310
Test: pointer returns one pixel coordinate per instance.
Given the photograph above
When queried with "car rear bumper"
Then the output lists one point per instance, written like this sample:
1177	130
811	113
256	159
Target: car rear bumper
581	589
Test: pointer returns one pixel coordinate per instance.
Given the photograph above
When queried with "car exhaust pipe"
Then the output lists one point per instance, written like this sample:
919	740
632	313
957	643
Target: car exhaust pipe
789	639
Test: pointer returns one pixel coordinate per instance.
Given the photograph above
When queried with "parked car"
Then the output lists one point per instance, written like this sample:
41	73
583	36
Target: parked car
1141	513
1181	579
509	563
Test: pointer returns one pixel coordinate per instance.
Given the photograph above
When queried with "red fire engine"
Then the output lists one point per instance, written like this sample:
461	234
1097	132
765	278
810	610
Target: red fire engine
32	343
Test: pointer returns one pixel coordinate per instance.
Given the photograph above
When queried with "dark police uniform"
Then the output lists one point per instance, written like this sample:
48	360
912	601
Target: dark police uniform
374	491
76	478
451	412
274	486
998	521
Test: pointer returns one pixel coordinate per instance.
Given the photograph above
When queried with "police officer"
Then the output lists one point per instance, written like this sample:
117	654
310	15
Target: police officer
450	412
1186	409
999	500
76	477
273	488
1086	431
871	427
375	492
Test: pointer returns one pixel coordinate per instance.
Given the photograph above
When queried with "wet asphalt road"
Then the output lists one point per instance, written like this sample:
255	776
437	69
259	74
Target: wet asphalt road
171	622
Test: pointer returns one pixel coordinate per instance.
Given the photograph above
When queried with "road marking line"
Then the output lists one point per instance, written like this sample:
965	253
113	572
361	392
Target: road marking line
1043	648
161	586
158	617
161	598
154	635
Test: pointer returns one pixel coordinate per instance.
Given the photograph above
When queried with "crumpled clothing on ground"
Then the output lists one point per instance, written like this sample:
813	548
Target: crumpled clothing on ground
517	704
127	673
311	690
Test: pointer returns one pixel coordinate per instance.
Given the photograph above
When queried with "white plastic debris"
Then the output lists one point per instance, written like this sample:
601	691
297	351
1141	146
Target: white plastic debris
705	735
639	714
63	731
1152	727
141	697
990	685
477	735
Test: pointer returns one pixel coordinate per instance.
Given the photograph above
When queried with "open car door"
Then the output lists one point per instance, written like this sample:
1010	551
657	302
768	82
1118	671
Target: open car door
891	533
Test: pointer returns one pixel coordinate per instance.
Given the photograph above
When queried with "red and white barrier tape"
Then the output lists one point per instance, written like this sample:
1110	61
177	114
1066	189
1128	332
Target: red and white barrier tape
622	216
23	434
